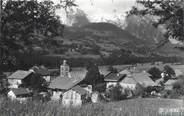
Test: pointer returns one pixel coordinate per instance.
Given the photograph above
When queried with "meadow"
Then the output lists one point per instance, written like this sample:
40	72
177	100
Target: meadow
134	107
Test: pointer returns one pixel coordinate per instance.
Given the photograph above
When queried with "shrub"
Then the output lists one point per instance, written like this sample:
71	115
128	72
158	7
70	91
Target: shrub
169	70
114	93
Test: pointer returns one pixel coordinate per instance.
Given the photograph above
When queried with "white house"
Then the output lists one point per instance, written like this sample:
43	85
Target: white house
129	82
112	79
75	96
17	77
20	94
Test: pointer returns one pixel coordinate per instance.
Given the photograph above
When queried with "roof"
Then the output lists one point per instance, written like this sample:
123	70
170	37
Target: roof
129	80
126	72
114	77
80	90
41	70
143	78
178	72
64	83
20	91
170	82
20	74
78	74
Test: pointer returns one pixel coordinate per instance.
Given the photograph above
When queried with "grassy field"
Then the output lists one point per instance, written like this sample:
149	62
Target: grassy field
135	107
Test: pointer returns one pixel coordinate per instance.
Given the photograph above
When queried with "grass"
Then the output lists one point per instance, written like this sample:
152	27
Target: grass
134	107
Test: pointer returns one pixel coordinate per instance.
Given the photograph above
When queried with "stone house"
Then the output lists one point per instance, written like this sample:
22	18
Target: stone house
76	96
112	79
19	94
18	77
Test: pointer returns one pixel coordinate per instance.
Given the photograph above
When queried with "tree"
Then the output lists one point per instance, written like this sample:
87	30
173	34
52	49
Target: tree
155	73
169	13
93	76
169	70
115	93
26	24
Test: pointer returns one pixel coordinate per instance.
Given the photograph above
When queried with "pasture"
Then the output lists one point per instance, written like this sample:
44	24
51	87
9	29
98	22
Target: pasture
134	107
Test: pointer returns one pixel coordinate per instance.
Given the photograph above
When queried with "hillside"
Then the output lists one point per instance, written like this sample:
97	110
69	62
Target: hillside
107	38
104	43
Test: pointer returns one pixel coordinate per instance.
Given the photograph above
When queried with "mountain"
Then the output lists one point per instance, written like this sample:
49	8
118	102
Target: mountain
105	43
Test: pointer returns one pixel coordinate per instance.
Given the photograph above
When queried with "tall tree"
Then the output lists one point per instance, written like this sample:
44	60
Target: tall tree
169	13
25	24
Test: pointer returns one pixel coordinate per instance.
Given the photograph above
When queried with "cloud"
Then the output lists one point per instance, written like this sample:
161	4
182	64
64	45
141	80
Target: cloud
101	10
107	9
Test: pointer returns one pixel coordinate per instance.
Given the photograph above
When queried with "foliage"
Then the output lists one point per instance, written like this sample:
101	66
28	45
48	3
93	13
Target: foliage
155	73
93	76
139	90
178	87
168	13
35	83
115	93
169	70
3	84
26	25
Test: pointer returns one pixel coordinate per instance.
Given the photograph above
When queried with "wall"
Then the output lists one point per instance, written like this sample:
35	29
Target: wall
71	98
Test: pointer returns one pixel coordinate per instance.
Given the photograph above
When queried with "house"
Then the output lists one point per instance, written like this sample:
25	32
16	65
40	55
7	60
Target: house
75	96
129	82
112	79
125	72
18	77
65	81
144	79
20	94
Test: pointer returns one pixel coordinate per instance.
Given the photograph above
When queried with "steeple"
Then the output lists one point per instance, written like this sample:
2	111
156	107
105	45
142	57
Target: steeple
64	69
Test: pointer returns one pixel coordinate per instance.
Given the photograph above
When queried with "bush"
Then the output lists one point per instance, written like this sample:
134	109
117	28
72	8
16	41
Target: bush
169	70
115	93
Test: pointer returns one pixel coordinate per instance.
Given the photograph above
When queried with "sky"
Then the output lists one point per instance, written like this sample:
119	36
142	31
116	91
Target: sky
101	10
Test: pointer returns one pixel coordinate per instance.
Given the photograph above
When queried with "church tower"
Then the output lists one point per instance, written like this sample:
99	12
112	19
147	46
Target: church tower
64	69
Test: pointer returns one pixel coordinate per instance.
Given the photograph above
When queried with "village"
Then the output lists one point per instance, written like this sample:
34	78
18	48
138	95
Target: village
70	87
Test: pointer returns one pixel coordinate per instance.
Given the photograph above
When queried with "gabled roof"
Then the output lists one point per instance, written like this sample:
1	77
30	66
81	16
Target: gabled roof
20	74
143	78
129	80
115	77
80	90
126	72
178	72
20	91
64	83
170	82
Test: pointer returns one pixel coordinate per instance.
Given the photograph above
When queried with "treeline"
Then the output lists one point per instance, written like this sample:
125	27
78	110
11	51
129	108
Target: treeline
26	61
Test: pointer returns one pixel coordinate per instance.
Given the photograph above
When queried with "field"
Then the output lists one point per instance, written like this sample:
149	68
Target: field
135	107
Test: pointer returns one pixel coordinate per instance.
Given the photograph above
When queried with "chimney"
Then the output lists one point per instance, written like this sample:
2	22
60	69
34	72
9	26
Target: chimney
64	69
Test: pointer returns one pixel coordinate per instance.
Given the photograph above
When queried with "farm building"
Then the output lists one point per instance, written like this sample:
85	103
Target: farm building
112	79
20	94
75	96
129	82
144	79
18	77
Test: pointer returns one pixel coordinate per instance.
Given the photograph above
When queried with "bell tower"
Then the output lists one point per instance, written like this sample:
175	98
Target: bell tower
64	69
